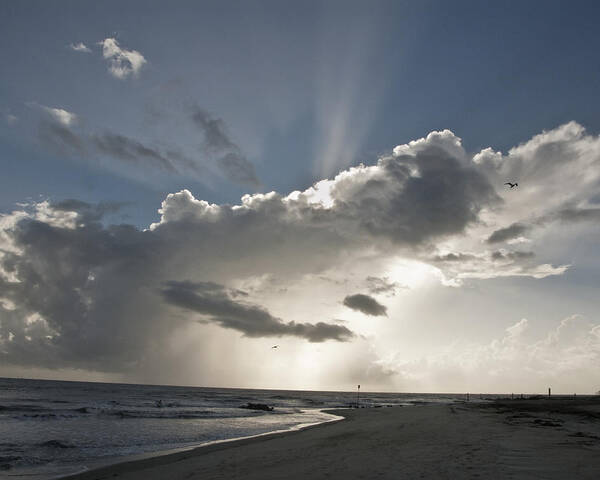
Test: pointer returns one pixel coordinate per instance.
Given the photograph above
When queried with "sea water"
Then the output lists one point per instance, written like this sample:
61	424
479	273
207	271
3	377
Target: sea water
53	428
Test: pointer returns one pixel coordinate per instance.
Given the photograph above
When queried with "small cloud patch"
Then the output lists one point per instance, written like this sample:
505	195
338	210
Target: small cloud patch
80	47
365	304
122	63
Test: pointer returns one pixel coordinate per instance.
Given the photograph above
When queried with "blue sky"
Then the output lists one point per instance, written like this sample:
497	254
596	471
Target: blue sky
391	239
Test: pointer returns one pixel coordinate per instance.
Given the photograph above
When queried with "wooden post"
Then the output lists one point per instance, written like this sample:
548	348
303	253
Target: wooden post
358	397
549	392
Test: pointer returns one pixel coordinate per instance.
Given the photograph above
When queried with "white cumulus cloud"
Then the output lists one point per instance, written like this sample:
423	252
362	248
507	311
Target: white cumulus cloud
122	63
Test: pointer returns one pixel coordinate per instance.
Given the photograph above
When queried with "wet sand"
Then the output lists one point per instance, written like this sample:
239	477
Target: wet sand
549	439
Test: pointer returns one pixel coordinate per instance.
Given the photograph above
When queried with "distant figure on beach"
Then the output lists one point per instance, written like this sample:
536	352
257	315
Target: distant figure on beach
512	185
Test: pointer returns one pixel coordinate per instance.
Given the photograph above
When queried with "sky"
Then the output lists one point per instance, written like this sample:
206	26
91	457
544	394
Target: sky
187	184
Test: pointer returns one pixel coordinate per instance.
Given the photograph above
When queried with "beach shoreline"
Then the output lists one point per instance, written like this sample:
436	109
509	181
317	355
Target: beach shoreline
139	461
117	461
516	439
54	428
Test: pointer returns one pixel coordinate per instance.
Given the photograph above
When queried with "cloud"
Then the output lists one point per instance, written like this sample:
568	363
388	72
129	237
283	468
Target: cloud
216	303
513	269
384	285
98	292
516	330
86	212
79	47
60	115
508	233
404	199
59	133
516	255
79	292
229	157
129	150
456	267
455	257
213	129
559	176
239	170
62	138
122	63
68	308
564	357
578	214
365	304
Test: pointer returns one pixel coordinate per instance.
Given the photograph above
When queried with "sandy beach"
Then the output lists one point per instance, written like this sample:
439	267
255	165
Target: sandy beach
520	439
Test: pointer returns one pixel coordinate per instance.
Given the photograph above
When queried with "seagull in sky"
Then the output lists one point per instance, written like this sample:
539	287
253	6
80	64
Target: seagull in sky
512	185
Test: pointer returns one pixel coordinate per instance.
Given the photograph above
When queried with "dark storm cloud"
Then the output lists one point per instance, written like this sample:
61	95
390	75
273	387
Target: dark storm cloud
229	158
508	233
216	303
365	304
75	283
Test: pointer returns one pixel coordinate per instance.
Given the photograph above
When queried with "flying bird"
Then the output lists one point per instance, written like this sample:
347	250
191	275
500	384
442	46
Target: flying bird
512	185
275	346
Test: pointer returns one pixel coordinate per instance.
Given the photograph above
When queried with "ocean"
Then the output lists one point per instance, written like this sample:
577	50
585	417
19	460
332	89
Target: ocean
52	428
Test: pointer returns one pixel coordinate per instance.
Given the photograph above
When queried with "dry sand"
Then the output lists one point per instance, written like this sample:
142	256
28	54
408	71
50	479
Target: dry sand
543	439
